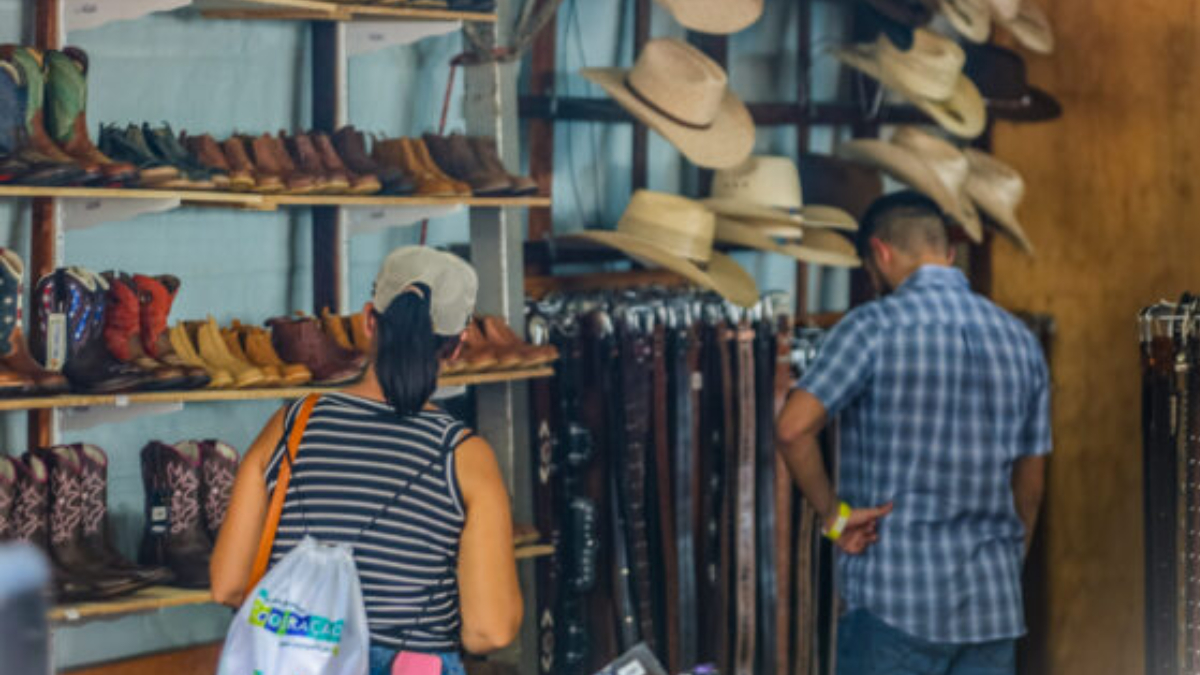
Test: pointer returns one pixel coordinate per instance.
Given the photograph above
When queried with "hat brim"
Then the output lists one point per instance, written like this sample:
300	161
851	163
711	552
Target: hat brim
1032	29
715	17
722	274
973	24
724	145
963	114
824	248
829	217
772	228
1036	106
1004	219
740	208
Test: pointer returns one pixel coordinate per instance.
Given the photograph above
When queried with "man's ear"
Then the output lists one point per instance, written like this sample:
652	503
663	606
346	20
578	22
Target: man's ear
881	252
951	255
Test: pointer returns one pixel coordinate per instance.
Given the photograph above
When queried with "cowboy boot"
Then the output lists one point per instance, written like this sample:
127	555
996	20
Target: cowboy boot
123	334
209	153
420	152
336	329
185	348
13	169
488	155
477	353
301	340
397	154
206	335
261	353
16	358
67	333
509	352
360	183
163	142
219	465
453	155
273	376
129	145
271	159
502	336
30	521
175	536
235	152
156	295
8	497
351	146
303	153
66	113
97	536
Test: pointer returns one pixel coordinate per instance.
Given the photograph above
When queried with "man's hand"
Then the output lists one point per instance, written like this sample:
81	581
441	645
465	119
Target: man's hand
861	530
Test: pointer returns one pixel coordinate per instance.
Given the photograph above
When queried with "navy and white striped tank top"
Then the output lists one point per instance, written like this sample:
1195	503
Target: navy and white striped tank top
356	455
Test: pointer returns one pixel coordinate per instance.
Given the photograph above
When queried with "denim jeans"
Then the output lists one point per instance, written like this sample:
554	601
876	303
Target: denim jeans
381	662
868	646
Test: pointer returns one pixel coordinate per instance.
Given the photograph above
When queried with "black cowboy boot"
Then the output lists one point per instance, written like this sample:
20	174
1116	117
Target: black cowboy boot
219	465
175	533
97	537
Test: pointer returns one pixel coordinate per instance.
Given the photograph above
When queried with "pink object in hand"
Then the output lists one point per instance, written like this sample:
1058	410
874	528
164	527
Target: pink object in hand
410	663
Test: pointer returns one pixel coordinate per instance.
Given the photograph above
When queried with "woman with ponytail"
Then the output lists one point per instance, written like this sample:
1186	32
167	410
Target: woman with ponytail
417	495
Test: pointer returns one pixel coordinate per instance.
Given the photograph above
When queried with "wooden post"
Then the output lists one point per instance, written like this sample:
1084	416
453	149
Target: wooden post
641	138
541	131
803	87
328	111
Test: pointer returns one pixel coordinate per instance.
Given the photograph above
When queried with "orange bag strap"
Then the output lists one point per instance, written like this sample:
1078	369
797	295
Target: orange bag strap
263	558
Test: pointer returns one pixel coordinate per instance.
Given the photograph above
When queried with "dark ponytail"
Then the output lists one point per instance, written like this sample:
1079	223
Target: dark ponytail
407	350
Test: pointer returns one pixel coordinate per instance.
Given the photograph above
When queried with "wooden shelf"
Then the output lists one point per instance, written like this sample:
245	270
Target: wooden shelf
210	395
164	597
262	202
319	10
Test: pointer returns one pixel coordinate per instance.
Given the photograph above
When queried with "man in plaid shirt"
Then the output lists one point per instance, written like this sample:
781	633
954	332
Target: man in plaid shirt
944	408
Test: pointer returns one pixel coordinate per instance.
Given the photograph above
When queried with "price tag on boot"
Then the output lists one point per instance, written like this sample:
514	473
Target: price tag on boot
56	342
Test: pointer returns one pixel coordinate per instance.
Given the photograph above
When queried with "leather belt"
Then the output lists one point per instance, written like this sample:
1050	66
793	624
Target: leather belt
678	348
546	511
763	401
618	497
746	577
783	500
664	517
636	361
713	618
726	341
1161	492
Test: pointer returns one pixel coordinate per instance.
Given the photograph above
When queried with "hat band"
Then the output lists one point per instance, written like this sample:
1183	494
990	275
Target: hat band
1010	103
645	100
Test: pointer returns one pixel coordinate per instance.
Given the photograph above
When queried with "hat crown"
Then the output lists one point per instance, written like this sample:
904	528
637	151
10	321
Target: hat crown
989	175
931	69
678	225
763	180
680	81
946	160
998	72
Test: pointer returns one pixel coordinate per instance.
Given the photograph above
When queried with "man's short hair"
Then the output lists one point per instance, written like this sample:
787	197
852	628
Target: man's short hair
907	220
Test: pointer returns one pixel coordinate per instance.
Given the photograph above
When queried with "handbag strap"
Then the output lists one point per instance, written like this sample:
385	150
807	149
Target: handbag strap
263	558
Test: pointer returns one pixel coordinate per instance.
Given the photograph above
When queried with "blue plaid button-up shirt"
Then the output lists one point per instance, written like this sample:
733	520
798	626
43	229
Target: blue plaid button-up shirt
939	392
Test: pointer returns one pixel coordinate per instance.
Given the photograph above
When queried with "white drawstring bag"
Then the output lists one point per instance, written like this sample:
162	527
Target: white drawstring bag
306	617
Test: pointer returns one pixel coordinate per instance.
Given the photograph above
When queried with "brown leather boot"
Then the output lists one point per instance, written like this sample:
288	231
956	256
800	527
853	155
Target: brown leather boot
454	156
66	113
261	353
239	162
272	376
301	340
272	157
421	152
361	183
488	155
510	353
219	465
175	536
303	154
156	295
351	146
477	353
209	152
206	335
123	334
395	153
503	337
185	348
97	537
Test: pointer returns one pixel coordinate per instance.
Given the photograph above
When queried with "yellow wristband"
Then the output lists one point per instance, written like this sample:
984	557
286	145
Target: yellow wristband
835	531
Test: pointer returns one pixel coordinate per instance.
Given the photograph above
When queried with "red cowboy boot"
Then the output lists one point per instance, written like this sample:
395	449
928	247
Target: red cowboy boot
155	296
123	334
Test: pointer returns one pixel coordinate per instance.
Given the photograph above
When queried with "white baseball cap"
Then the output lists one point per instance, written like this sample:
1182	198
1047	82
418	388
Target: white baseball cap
452	282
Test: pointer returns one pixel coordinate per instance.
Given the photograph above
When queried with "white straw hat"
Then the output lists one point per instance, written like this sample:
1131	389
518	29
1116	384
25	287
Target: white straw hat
997	189
819	247
972	19
1031	27
718	17
768	188
682	94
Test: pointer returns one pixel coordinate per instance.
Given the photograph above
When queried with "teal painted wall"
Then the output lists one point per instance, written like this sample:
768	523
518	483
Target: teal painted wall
221	77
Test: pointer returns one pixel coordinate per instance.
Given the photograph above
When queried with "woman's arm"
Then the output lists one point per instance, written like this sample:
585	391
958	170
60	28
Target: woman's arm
237	544
487	568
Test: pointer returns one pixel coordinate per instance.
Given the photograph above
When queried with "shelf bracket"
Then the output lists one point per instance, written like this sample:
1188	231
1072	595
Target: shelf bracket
81	419
80	214
364	37
87	14
367	219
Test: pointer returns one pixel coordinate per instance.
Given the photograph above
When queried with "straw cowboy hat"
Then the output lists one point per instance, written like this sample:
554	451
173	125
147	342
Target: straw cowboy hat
768	188
832	180
929	75
1001	77
1031	27
997	189
926	163
819	247
676	233
719	17
972	19
1005	10
683	95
